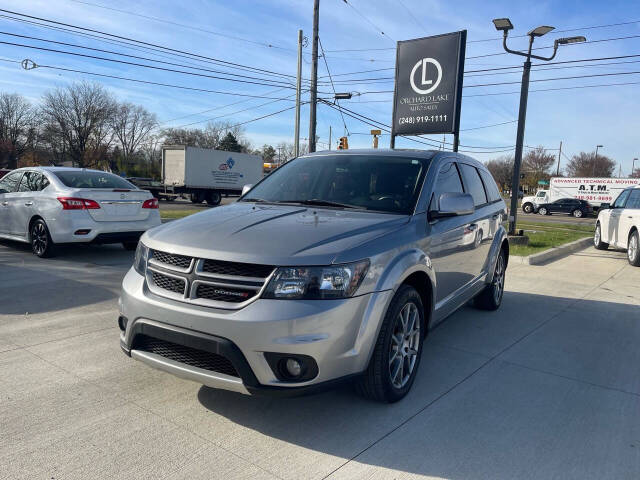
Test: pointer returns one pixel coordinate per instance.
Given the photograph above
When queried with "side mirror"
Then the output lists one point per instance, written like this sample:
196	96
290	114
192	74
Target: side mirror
605	206
246	188
454	205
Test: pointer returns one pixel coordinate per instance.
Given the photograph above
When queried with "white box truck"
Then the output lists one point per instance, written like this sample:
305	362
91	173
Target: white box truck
204	174
596	191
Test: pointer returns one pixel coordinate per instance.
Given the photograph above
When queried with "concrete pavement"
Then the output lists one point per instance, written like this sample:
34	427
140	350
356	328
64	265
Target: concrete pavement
547	387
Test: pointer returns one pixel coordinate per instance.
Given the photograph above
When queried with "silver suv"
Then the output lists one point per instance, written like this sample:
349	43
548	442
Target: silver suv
333	267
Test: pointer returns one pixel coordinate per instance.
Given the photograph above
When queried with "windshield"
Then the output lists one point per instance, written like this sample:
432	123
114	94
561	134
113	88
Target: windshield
371	182
92	179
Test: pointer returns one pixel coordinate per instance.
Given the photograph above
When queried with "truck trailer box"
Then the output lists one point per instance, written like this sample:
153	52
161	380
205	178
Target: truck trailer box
192	167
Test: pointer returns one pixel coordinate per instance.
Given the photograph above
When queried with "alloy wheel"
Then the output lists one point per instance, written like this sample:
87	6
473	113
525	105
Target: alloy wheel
39	238
405	343
632	249
498	279
596	236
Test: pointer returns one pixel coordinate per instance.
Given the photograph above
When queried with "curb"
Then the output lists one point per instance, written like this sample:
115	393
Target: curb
553	253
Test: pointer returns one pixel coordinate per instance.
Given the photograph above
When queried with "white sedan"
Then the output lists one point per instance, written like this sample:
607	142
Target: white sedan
619	225
46	206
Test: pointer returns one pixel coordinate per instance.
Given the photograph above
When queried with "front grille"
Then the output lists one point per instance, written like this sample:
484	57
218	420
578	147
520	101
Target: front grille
186	355
224	294
178	261
166	282
236	269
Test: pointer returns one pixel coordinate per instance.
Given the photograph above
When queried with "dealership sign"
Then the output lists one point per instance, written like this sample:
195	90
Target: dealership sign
428	90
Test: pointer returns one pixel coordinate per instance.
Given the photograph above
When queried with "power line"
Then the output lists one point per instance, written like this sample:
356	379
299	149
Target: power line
146	43
332	86
367	20
412	16
488	126
170	22
135	56
554	89
95	57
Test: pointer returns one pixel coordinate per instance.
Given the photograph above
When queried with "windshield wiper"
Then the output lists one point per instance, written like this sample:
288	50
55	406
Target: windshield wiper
322	203
255	200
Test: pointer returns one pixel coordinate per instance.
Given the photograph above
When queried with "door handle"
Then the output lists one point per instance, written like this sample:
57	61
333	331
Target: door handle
629	216
4	204
28	204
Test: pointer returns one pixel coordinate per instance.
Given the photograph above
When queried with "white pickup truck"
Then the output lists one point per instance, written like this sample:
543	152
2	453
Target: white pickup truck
596	191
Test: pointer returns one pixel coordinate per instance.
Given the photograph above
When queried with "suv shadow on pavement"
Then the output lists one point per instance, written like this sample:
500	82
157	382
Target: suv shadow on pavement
549	385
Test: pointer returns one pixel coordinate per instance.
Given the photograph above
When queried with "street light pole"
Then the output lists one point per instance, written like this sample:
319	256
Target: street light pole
595	160
633	166
504	25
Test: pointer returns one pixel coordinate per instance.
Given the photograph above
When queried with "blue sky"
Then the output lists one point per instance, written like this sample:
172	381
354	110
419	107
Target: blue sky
240	31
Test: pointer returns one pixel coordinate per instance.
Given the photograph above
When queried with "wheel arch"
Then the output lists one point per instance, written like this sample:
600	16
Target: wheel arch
31	222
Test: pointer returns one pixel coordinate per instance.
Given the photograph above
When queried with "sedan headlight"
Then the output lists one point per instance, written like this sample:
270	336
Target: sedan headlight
314	283
140	259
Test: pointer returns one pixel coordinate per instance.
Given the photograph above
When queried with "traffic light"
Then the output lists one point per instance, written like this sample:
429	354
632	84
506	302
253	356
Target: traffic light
343	144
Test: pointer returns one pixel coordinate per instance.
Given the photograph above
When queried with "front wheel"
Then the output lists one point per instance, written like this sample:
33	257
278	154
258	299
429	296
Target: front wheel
527	208
633	249
491	297
597	239
396	356
41	243
543	211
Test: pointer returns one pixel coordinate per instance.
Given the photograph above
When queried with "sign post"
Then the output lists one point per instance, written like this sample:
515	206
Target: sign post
428	86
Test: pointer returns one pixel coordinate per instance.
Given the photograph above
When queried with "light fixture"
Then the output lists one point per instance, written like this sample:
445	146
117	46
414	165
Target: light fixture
540	31
502	24
343	96
570	40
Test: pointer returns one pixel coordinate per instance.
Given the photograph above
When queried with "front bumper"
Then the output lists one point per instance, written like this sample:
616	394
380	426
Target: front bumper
338	334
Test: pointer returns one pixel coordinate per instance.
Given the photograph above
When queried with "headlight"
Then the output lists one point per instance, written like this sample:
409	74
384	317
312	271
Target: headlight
140	260
334	281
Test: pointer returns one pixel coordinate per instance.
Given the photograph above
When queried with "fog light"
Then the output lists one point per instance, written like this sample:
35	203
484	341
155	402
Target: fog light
122	322
293	367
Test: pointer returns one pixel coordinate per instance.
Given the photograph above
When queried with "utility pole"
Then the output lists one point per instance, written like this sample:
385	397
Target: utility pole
559	155
329	137
504	25
595	160
298	83
633	166
314	78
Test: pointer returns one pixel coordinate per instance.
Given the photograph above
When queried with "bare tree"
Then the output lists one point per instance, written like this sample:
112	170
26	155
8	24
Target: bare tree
131	125
17	128
209	137
80	112
502	170
537	163
585	164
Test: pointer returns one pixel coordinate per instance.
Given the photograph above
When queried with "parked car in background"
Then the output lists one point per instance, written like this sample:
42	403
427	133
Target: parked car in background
568	206
46	206
334	267
3	172
618	225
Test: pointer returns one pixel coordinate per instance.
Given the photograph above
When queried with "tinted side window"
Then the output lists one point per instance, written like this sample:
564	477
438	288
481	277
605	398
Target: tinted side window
31	182
448	181
490	186
622	198
634	199
473	184
10	182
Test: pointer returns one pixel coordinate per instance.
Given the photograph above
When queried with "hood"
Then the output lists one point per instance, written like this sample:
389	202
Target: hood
271	234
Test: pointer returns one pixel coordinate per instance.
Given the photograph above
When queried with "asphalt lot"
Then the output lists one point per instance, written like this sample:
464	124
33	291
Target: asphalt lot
547	387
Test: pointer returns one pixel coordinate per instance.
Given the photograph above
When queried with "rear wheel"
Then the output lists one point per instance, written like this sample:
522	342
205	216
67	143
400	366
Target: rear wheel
491	297
196	197
213	198
41	243
597	239
577	213
633	249
396	356
130	246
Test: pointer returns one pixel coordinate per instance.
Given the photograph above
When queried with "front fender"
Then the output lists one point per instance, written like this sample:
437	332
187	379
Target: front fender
499	238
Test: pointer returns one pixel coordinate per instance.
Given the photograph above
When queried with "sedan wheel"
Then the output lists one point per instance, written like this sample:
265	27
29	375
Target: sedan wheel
41	243
633	249
542	211
577	213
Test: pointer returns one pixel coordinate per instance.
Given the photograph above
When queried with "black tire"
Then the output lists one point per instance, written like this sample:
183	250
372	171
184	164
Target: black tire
213	198
41	243
597	239
527	208
543	211
130	246
633	249
377	383
491	297
577	213
196	198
